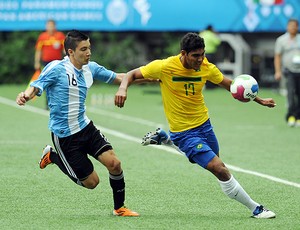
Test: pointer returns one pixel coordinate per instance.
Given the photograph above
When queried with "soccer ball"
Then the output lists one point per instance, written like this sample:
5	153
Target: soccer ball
244	88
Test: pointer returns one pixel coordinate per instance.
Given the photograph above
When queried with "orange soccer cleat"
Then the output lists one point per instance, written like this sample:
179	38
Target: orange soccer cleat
123	211
45	158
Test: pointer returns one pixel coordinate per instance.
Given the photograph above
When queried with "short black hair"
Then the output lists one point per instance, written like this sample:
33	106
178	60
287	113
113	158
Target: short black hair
192	41
51	20
209	27
294	20
73	38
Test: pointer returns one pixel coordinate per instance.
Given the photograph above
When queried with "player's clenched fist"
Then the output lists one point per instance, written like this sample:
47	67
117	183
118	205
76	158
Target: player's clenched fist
22	98
120	97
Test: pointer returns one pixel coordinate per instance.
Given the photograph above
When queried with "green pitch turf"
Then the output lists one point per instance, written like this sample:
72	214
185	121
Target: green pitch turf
169	192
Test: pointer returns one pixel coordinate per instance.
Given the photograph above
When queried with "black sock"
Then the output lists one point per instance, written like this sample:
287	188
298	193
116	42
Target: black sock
117	184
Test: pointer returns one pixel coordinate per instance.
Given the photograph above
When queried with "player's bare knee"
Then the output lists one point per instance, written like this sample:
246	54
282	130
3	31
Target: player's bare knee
111	162
220	171
91	181
116	166
91	184
94	184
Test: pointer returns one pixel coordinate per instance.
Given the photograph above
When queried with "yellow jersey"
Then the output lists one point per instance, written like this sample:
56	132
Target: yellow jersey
181	90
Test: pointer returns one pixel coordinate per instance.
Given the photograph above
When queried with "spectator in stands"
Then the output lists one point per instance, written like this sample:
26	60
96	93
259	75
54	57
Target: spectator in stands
212	42
49	47
287	66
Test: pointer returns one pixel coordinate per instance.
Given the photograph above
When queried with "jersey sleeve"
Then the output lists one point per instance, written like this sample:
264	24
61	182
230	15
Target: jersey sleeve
152	70
47	77
101	73
215	76
39	42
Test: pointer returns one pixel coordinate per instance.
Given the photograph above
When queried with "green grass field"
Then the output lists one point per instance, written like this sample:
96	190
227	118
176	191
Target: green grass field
169	192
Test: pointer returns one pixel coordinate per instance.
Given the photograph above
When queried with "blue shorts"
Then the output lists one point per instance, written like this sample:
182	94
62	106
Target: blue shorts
199	144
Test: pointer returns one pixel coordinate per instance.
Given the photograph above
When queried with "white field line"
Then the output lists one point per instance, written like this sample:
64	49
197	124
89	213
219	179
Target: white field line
138	140
173	151
124	117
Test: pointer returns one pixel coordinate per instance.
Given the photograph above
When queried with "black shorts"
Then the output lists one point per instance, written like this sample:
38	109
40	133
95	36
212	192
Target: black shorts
74	150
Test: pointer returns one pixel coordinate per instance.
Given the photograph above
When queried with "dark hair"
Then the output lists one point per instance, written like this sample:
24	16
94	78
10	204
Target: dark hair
209	27
293	20
191	41
72	39
51	20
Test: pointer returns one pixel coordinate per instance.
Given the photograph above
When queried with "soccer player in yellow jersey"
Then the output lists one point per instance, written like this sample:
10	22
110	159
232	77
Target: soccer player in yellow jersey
182	79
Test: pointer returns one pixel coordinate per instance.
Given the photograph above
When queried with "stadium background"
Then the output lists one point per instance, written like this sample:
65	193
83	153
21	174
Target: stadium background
128	33
169	192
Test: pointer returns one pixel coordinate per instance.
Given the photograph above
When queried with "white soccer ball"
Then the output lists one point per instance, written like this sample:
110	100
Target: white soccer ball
244	88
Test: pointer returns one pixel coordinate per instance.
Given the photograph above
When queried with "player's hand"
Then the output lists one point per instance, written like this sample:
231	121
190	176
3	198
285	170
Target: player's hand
22	98
120	97
269	102
277	76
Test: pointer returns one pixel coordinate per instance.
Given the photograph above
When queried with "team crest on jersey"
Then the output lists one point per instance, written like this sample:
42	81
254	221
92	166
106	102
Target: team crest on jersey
199	146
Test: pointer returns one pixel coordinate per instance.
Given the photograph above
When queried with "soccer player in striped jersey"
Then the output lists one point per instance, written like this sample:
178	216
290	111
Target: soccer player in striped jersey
182	78
74	135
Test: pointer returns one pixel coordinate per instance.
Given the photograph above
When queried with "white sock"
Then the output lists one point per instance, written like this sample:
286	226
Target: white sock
234	190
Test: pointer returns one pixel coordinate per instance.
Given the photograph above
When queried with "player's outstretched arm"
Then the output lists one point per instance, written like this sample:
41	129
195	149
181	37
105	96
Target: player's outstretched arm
269	102
25	96
225	83
121	94
120	77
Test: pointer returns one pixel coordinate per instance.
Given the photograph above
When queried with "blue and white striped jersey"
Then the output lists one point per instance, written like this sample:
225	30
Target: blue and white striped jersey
66	89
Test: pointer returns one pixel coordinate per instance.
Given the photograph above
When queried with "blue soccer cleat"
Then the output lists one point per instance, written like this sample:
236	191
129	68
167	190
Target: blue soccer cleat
262	213
156	138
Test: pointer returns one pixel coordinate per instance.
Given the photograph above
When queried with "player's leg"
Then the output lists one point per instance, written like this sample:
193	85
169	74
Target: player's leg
116	176
205	153
228	183
297	95
71	159
290	85
117	182
99	147
201	147
60	155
